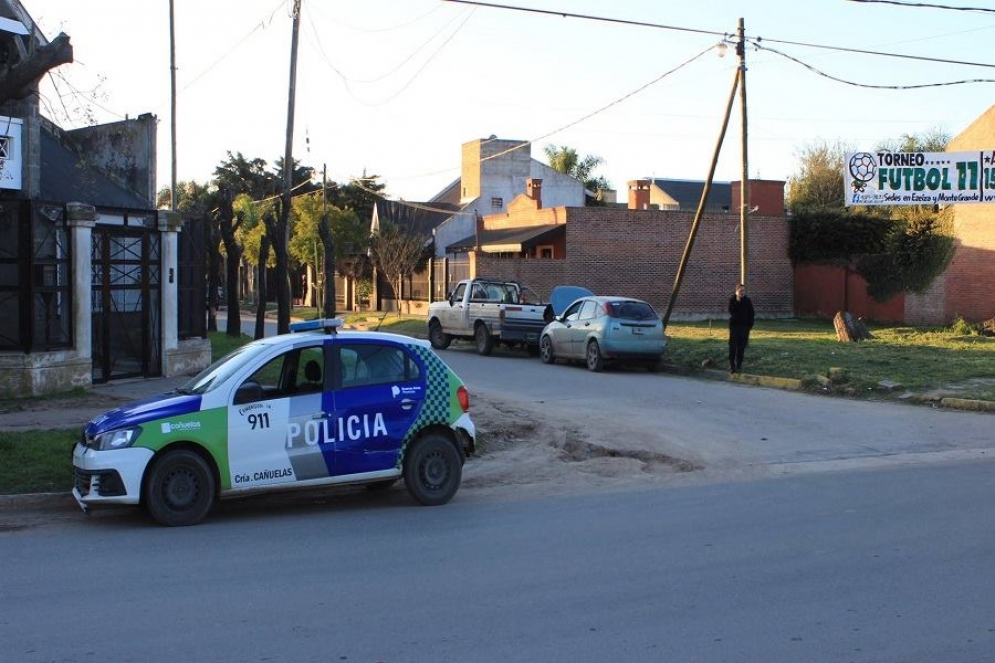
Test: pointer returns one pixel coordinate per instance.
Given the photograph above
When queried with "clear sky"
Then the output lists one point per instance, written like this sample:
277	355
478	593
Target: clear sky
394	87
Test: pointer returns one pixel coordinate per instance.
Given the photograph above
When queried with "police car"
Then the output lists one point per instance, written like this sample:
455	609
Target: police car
305	409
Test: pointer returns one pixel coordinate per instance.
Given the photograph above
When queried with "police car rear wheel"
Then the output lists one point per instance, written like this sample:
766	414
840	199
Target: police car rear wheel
180	489
432	470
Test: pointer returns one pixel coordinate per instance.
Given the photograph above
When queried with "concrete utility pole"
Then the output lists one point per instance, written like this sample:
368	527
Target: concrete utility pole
283	228
172	106
744	189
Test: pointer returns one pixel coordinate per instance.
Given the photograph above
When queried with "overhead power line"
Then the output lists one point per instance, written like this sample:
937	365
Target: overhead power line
919	86
842	49
927	5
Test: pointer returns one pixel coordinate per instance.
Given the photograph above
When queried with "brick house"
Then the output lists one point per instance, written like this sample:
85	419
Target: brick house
767	196
636	251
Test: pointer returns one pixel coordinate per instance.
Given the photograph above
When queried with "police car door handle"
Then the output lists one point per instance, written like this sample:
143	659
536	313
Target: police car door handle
407	404
321	415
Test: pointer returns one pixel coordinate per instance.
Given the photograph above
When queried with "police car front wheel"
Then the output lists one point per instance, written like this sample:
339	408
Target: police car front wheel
433	470
179	489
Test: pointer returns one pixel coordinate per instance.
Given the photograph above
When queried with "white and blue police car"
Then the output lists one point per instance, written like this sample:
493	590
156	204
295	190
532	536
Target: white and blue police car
306	409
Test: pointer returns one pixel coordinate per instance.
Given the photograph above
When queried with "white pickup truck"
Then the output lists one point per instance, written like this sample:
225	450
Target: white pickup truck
488	311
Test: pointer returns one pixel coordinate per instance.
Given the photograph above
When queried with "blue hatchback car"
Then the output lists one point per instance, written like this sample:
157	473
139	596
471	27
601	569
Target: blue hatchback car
601	330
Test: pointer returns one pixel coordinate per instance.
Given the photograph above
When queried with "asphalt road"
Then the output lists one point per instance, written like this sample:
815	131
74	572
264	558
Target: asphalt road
888	566
726	425
885	554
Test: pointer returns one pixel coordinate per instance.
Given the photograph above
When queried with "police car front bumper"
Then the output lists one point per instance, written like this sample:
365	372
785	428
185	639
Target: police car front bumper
108	477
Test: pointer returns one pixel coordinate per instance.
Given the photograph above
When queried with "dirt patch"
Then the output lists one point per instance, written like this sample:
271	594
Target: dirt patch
524	448
966	389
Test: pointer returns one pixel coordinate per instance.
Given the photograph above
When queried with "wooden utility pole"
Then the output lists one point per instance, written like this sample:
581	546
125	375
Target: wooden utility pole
744	189
679	278
282	241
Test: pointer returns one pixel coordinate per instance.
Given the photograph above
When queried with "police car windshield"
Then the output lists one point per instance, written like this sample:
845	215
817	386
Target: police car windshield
221	370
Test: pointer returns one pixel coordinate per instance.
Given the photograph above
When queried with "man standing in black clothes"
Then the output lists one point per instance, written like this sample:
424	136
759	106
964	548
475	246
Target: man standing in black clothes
740	324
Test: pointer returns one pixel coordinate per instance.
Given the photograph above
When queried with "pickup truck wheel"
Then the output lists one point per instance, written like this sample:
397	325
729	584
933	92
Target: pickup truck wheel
546	350
483	338
433	470
179	489
440	340
595	362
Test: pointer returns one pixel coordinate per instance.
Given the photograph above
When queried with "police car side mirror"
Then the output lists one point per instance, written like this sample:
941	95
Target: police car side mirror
248	392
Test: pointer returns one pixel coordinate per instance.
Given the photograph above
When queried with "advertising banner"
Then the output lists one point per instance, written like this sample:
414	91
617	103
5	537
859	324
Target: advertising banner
919	178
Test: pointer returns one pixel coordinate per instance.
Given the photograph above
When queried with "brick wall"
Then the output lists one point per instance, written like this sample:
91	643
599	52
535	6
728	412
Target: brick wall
965	289
766	195
637	252
822	290
969	281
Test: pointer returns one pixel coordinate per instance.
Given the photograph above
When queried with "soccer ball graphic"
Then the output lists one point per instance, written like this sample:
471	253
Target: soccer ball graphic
862	169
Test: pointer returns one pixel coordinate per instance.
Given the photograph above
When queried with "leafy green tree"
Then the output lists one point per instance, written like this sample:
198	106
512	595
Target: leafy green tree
327	237
359	195
238	175
564	159
818	184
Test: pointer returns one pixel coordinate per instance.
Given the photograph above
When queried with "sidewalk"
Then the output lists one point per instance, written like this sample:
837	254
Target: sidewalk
75	411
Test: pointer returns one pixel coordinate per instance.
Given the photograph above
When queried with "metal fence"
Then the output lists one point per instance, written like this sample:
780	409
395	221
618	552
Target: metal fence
446	273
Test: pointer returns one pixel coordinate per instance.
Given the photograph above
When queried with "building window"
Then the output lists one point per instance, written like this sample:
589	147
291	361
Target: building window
497	203
35	284
544	251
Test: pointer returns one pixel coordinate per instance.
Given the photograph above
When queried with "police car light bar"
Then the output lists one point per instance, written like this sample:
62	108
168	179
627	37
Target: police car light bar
329	325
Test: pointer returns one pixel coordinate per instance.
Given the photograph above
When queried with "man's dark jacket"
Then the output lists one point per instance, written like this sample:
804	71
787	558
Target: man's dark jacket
740	312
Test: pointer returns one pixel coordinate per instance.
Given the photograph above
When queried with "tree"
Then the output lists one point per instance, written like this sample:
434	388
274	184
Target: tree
228	223
241	175
398	254
931	140
359	195
251	235
564	159
819	181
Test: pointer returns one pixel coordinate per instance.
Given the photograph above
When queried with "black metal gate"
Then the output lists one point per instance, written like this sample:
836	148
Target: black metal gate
127	332
191	280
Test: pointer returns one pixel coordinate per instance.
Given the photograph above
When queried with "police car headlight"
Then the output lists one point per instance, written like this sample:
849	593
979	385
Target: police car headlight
116	439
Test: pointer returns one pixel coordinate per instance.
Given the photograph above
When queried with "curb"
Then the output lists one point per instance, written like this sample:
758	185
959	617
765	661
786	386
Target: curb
37	501
968	404
790	384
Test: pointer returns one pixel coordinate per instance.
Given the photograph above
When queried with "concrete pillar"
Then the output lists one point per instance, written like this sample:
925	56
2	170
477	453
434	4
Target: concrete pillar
170	224
81	218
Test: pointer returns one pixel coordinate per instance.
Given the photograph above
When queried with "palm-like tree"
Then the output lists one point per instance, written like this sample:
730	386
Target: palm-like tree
564	159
